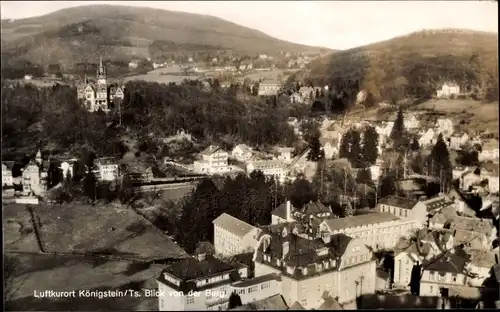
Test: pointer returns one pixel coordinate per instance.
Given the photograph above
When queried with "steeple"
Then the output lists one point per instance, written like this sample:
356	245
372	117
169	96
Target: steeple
38	157
101	73
101	68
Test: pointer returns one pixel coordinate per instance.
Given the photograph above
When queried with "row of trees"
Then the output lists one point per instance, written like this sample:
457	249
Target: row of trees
361	152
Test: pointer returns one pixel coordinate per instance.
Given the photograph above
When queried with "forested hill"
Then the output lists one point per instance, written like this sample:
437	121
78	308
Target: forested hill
121	32
415	64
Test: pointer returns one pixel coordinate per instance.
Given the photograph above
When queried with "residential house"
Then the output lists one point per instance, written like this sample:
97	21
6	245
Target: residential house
197	284
270	168
428	138
429	244
445	127
448	89
457	140
67	166
296	98
214	160
269	87
489	171
257	289
479	266
376	171
242	152
133	64
447	271
330	147
105	169
313	268
34	176
378	230
7	179
411	122
403	208
484	227
489	151
458	171
469	179
285	154
309	92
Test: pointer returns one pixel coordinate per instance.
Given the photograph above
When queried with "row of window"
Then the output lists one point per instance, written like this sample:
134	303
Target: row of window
435	276
395	211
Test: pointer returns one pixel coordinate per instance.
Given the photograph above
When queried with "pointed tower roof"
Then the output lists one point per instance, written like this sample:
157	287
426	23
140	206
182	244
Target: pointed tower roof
38	154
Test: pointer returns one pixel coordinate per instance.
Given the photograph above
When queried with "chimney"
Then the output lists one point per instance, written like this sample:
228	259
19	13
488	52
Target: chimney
285	250
496	258
288	211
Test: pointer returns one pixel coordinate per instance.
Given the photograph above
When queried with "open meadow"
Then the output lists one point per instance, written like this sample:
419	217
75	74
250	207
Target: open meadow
18	230
106	229
38	272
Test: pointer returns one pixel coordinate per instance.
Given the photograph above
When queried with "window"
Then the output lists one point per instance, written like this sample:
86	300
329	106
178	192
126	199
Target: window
190	300
431	276
303	302
454	276
162	303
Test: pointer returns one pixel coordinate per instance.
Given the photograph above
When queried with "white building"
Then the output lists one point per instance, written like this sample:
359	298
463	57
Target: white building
259	288
285	154
214	160
67	166
404	208
270	168
458	140
411	122
7	179
193	284
233	236
105	169
428	138
313	269
242	152
330	147
448	89
377	230
489	151
445	127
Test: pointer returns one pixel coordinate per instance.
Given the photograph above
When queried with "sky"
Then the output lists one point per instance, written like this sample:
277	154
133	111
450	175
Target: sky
332	24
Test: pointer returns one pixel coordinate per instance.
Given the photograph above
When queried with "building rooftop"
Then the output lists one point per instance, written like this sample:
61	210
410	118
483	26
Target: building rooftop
448	263
9	164
267	164
399	202
210	150
258	280
482	258
233	225
296	306
275	302
360	220
192	269
484	226
437	202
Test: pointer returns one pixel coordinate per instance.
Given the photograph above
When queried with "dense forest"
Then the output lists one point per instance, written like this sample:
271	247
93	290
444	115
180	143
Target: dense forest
51	118
414	65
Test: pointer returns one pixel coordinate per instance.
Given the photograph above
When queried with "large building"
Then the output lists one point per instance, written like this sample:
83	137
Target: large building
99	94
314	269
34	177
7	179
313	211
105	169
233	236
270	168
404	208
214	161
377	230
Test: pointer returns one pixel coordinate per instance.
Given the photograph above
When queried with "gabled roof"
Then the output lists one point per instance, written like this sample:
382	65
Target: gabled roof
192	269
233	225
360	220
315	207
9	164
210	150
399	202
437	202
448	263
244	148
296	306
280	211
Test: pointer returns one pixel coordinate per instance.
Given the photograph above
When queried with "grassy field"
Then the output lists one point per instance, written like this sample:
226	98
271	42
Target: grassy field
105	229
43	272
475	115
17	229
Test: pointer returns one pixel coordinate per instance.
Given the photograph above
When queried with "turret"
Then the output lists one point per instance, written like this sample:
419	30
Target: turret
38	157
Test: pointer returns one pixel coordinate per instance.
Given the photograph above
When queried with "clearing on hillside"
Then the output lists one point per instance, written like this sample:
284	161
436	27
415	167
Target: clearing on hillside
18	230
105	229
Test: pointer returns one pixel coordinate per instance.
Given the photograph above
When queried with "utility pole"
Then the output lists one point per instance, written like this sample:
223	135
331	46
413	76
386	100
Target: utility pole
345	183
404	165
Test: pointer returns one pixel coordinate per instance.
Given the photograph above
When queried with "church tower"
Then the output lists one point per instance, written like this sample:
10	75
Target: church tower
101	101
38	157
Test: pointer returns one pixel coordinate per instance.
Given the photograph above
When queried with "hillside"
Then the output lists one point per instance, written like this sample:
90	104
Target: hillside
117	32
413	65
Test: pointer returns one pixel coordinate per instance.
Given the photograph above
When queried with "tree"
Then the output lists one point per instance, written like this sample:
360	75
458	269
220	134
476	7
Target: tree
370	145
316	151
317	95
234	301
345	145
387	185
398	133
90	185
348	210
364	176
439	162
355	156
300	192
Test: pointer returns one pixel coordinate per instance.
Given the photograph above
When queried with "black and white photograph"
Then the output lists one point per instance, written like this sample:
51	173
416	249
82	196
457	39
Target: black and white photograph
250	155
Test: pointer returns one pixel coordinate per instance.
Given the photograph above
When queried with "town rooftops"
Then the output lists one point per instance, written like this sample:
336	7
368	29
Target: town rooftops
192	269
492	168
257	280
233	225
482	258
275	302
400	202
105	161
267	164
471	224
360	220
437	202
448	263
210	150
9	164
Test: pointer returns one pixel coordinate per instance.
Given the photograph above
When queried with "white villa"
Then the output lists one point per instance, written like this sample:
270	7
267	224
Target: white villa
214	160
448	89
